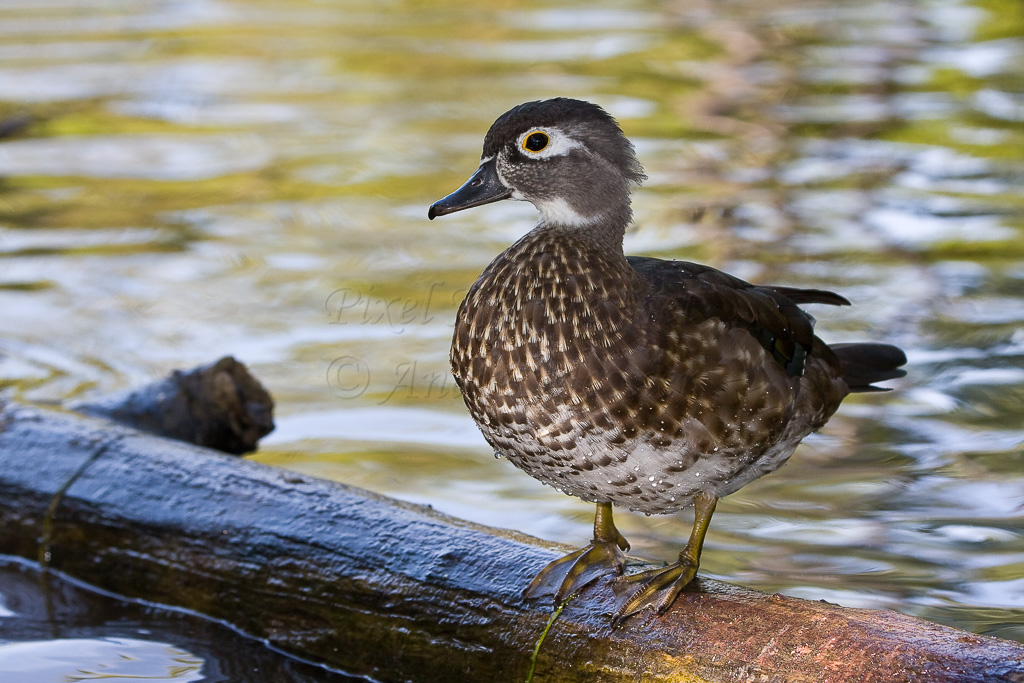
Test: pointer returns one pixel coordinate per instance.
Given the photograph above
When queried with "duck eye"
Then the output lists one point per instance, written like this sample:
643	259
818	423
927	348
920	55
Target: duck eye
536	141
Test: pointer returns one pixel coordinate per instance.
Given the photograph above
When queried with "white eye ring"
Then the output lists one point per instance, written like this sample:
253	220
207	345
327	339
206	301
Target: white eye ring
559	144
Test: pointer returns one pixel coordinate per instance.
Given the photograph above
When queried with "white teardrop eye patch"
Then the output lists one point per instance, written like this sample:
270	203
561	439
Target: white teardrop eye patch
541	143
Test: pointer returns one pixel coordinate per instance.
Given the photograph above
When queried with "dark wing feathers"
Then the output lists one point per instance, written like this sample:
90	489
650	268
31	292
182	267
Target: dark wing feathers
770	314
810	296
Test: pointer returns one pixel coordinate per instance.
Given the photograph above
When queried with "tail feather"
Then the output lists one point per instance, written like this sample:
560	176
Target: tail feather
866	363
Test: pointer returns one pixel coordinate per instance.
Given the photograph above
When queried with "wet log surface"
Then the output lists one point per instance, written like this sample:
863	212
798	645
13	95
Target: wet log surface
399	592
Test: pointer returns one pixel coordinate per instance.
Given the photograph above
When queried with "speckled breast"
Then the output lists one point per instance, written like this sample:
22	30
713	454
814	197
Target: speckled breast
579	374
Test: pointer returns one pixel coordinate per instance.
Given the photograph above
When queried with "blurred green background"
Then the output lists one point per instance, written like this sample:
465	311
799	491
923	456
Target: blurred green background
183	180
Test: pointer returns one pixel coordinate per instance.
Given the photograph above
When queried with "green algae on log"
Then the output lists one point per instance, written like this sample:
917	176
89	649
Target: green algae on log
398	592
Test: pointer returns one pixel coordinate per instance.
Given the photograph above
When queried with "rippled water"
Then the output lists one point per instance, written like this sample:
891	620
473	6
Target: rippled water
199	178
52	631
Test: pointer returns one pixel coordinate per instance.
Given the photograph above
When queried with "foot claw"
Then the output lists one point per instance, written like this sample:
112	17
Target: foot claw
659	589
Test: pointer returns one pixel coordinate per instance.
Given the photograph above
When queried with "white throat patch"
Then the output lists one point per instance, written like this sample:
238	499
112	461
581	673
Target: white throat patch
558	212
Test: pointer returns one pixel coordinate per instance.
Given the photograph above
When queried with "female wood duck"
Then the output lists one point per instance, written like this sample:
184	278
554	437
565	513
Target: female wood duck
632	381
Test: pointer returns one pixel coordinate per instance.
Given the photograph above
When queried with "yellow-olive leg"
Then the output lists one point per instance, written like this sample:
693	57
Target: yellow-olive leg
569	574
660	587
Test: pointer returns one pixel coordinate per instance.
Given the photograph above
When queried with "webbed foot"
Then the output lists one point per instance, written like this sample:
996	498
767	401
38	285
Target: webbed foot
660	587
570	574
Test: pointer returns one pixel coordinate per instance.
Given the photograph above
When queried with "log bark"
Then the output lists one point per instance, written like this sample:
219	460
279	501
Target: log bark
398	592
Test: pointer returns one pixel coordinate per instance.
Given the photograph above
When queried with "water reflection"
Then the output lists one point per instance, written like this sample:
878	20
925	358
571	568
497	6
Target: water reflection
51	630
203	178
87	659
137	156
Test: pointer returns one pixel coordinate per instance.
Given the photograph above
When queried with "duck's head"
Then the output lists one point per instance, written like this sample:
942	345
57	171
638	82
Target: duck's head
569	158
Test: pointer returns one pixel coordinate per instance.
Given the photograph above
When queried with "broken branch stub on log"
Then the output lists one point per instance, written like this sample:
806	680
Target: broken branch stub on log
398	592
219	405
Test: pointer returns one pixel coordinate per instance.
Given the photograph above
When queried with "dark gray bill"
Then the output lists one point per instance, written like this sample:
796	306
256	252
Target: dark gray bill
483	187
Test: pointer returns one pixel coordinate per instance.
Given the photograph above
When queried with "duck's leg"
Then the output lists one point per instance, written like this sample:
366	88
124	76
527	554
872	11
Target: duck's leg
569	574
659	587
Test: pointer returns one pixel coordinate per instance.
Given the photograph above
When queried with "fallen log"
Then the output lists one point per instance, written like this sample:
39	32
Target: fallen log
398	592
